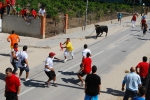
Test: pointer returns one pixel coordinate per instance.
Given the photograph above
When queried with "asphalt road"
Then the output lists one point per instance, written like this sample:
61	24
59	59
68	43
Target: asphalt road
106	53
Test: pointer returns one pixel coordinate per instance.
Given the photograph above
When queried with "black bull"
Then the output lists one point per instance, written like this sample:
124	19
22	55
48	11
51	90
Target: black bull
100	29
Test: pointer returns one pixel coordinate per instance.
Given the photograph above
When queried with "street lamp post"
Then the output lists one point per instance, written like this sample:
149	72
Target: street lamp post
86	15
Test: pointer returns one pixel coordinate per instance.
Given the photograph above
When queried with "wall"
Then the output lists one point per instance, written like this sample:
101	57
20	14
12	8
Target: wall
18	24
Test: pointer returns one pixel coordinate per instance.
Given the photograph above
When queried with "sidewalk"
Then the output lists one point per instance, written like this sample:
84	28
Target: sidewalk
75	33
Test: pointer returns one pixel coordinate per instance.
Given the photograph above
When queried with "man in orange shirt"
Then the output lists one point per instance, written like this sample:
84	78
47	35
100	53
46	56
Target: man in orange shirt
14	38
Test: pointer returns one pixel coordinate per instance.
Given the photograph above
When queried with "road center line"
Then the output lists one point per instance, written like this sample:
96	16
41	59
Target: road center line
60	73
127	38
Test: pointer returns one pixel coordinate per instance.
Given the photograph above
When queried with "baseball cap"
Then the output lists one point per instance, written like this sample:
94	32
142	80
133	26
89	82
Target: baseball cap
52	54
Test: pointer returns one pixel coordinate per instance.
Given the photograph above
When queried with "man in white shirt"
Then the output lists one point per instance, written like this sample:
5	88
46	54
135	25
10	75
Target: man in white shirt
49	70
23	62
84	53
42	12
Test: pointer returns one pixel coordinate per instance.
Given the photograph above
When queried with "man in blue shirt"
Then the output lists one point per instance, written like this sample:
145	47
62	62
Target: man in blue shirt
142	92
119	17
132	81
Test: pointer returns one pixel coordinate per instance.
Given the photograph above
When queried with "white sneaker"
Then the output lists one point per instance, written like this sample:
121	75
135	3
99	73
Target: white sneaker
72	57
27	79
65	60
82	84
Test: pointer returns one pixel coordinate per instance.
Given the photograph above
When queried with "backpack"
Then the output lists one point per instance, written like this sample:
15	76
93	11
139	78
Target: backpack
22	60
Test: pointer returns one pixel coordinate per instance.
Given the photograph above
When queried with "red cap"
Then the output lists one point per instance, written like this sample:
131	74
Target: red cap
52	54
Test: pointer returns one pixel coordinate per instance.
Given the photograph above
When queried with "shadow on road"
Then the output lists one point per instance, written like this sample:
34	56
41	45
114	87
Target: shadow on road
113	92
4	54
67	73
70	86
71	80
2	76
34	83
143	39
89	37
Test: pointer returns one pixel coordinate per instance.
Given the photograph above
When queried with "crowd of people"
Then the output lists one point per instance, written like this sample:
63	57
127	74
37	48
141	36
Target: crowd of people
19	59
144	25
10	6
135	81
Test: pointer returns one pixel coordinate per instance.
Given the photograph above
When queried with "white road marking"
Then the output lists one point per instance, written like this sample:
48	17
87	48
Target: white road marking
60	73
127	38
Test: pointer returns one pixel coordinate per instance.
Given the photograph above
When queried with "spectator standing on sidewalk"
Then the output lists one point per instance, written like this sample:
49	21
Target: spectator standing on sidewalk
13	38
92	85
85	68
133	20
132	81
143	70
142	93
8	7
23	62
14	58
49	70
12	87
13	3
69	49
2	9
119	17
18	9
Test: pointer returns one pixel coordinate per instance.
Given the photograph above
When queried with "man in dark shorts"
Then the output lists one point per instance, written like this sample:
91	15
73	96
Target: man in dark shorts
92	85
12	87
49	70
143	70
23	62
85	68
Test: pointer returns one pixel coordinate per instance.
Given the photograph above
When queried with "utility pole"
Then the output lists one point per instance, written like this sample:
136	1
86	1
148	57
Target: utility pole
86	15
133	7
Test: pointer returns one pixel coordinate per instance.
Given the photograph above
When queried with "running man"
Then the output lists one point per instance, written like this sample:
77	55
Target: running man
23	62
85	68
13	38
133	20
49	70
145	29
69	49
84	53
14	58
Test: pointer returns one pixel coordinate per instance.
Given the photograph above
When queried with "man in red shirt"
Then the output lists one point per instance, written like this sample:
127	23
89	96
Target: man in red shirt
12	87
143	22
133	20
143	70
85	68
34	13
